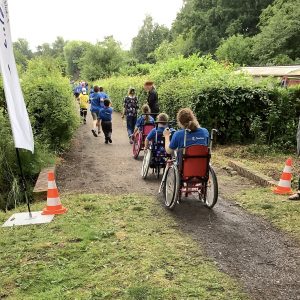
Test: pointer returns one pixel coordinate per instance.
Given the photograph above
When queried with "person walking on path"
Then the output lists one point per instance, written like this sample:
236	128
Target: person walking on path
152	97
105	115
95	107
130	110
83	103
103	96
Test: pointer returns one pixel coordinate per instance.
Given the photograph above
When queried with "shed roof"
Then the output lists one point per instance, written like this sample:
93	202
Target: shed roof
276	71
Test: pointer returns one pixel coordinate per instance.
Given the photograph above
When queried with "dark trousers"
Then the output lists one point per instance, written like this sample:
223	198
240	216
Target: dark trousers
107	129
83	113
131	121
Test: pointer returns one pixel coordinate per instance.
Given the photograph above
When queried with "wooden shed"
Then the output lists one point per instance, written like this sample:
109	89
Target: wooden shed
288	75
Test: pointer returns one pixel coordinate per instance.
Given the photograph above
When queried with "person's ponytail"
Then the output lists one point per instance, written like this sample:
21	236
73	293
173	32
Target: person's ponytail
187	119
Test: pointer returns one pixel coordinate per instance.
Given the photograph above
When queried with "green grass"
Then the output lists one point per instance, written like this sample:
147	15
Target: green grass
121	247
269	163
277	209
282	213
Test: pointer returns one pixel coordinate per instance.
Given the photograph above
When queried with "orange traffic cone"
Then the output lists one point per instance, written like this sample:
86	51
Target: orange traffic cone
54	206
284	185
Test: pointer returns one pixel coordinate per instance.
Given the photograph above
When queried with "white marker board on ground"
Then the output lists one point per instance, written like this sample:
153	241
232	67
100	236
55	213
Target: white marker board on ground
20	219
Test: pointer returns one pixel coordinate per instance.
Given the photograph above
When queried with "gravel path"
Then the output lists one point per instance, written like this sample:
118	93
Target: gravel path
265	261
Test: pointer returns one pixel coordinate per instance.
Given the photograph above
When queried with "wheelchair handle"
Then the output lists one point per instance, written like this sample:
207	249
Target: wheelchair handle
212	134
213	131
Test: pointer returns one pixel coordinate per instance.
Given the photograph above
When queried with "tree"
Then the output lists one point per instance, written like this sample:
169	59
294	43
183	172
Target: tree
74	51
209	21
44	50
167	50
149	37
102	60
278	40
236	49
58	47
22	52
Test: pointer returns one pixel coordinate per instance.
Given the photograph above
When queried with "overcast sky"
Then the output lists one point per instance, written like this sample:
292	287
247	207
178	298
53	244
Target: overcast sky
41	21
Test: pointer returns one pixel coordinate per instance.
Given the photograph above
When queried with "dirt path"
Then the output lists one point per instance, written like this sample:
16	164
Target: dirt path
94	167
264	260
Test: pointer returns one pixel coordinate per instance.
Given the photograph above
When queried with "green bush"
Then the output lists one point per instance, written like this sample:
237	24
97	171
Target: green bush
50	104
51	108
243	110
117	88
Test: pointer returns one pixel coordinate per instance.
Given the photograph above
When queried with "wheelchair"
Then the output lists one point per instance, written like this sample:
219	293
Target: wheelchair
155	157
139	138
189	172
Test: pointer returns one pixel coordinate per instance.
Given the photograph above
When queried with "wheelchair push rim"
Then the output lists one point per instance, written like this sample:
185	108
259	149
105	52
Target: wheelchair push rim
146	164
171	187
211	196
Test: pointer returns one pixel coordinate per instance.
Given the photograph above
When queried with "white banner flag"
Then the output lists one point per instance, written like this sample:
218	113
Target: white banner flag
20	123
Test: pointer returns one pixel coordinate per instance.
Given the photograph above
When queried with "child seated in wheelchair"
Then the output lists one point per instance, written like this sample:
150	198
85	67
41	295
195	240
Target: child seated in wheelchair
156	134
191	133
156	138
145	118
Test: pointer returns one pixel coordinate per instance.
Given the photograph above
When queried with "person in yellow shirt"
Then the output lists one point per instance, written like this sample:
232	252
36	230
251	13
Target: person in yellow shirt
83	103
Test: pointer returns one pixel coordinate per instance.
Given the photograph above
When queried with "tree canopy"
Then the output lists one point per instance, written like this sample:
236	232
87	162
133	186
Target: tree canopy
279	32
102	60
149	37
208	21
74	51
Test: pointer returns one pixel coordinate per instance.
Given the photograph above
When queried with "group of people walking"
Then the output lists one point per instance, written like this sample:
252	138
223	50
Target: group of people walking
100	107
101	111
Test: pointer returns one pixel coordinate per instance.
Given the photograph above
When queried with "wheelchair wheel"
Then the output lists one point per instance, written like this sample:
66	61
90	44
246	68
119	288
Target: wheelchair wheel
171	187
137	142
212	189
146	163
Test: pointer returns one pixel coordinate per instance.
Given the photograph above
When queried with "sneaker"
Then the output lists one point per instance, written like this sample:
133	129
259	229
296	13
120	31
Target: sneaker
109	139
295	197
94	132
106	141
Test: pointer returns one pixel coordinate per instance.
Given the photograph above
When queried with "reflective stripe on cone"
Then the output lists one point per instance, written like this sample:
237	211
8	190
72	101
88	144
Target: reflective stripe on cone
284	185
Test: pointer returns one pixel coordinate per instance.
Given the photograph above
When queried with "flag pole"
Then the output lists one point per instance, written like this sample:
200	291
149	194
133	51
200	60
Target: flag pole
23	182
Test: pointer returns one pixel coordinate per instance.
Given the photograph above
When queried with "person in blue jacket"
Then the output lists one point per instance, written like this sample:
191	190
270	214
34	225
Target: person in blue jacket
97	102
103	96
77	90
190	134
156	134
95	107
105	115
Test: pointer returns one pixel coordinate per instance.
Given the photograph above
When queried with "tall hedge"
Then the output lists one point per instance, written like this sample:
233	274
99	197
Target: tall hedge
53	116
242	109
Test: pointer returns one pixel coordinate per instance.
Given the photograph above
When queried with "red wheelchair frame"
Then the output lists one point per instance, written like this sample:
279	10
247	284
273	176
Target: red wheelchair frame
139	139
188	173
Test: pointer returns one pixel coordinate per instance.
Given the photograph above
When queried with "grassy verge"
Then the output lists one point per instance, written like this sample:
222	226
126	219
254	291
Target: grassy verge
261	201
282	213
121	247
259	158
